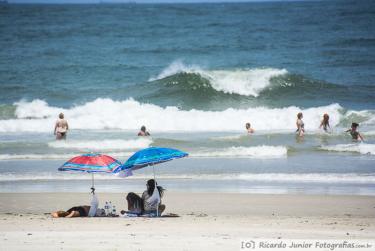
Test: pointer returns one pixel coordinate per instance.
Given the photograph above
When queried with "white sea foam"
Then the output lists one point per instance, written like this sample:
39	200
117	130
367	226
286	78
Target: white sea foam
130	115
63	156
247	82
100	145
351	178
324	178
361	148
246	152
243	152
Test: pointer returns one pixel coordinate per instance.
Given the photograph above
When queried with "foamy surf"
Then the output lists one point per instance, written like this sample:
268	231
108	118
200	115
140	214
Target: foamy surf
102	114
323	178
63	156
100	145
361	148
245	152
247	82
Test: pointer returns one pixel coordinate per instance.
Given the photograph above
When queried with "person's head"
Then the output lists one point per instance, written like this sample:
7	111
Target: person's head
143	129
248	125
151	186
325	117
300	115
354	126
61	115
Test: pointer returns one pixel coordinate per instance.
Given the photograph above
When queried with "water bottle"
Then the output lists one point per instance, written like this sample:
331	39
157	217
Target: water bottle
110	208
114	210
106	207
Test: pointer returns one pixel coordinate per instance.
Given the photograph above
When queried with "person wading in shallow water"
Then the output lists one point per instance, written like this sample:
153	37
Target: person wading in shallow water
248	128
325	123
143	132
61	127
300	125
356	136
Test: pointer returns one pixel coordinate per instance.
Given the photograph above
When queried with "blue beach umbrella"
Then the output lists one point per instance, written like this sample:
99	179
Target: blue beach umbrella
150	157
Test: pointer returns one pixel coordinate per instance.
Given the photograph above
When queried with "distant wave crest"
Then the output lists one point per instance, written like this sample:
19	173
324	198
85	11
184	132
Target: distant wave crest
246	82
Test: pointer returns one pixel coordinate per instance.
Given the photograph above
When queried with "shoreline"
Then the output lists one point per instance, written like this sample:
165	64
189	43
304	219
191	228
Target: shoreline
207	221
210	203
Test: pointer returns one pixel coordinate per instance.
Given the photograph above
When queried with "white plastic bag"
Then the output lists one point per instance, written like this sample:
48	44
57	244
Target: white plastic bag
93	205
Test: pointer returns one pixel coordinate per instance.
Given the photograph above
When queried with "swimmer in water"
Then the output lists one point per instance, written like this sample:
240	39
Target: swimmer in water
325	123
300	125
61	127
143	132
248	128
354	133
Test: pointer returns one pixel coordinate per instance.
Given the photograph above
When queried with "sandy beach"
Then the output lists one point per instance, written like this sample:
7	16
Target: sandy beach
207	221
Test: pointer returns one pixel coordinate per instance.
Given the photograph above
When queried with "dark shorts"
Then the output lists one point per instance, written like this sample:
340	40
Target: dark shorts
81	210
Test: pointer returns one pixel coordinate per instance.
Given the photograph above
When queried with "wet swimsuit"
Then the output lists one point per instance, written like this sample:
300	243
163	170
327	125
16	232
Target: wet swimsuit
354	134
301	124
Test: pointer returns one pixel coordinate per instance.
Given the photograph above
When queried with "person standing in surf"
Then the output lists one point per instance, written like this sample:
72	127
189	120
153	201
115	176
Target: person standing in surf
300	125
143	132
61	127
248	128
325	123
356	136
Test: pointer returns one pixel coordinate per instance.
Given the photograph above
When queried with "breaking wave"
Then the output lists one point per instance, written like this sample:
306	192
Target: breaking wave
247	82
38	116
245	152
361	148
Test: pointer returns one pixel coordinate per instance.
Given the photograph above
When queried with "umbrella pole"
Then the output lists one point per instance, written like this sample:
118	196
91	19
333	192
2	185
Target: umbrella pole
156	187
92	183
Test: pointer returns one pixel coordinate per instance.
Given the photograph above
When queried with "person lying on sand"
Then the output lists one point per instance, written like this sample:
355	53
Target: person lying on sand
79	211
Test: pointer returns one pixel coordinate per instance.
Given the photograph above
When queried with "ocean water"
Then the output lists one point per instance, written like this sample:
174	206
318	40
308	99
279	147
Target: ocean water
194	74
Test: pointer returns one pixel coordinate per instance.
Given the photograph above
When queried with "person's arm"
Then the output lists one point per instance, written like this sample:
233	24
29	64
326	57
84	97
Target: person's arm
67	126
321	124
54	131
73	214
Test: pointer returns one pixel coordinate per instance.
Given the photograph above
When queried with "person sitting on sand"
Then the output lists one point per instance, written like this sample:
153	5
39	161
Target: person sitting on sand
61	127
300	125
143	132
150	205
354	133
248	128
135	204
79	211
325	123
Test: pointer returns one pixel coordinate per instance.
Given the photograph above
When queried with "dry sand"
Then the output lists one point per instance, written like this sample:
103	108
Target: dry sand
207	221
